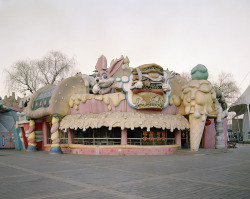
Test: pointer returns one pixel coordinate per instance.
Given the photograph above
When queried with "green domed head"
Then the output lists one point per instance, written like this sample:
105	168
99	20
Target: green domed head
199	72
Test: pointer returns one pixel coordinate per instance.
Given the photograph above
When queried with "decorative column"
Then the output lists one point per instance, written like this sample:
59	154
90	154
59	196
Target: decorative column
32	137
55	146
219	138
178	137
219	122
124	137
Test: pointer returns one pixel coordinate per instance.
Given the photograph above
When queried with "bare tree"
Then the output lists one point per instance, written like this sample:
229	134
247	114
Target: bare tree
33	74
54	67
186	76
227	85
23	76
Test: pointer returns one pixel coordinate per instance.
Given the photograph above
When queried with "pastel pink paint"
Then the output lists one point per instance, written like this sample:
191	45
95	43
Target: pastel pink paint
57	141
54	127
96	106
209	135
120	151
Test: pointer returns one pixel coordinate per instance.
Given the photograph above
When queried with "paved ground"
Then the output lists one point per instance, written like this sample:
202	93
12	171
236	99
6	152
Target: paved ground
207	174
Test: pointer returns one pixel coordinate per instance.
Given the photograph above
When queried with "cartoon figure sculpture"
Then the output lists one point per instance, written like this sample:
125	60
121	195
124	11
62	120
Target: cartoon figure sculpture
148	87
220	106
32	137
105	79
198	96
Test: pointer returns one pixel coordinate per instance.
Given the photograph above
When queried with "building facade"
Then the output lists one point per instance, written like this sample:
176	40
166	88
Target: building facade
121	110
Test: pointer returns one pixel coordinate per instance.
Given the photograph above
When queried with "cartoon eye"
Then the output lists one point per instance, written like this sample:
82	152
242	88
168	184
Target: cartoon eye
104	76
98	75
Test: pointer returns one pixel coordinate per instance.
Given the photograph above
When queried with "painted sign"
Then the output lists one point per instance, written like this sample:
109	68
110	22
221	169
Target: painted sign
6	140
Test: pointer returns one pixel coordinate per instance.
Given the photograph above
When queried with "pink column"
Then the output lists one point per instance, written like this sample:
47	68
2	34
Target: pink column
44	128
209	135
70	136
124	137
178	137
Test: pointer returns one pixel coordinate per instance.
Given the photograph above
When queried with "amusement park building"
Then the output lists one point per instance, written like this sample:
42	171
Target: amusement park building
125	111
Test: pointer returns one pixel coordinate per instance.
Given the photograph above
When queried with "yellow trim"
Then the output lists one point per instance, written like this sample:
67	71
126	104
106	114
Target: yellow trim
55	145
55	136
32	144
61	145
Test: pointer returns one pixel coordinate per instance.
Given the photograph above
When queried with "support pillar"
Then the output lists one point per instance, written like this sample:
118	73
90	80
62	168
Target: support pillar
32	137
44	129
124	137
178	137
70	136
55	146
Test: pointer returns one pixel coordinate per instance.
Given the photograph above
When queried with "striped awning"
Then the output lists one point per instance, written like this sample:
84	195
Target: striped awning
124	120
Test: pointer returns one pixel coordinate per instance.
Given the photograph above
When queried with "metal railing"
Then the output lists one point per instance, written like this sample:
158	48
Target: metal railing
140	141
98	141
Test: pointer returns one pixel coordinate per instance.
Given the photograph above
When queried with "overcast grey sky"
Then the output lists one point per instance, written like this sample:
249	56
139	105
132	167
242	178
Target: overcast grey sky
176	34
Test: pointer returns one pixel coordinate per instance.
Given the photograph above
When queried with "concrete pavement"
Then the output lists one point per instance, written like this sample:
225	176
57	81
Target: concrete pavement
207	174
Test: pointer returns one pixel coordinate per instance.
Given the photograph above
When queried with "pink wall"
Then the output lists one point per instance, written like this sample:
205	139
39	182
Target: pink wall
209	135
96	106
150	150
122	151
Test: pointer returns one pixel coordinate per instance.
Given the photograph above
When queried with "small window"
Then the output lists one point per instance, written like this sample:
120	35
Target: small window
101	136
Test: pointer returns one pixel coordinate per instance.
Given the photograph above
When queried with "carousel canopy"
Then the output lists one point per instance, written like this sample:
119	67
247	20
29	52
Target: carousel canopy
123	120
240	106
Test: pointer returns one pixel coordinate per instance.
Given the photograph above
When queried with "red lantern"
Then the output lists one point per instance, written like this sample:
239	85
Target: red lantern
208	122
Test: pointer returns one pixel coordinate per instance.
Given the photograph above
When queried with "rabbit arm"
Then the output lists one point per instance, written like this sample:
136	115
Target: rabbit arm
105	91
96	89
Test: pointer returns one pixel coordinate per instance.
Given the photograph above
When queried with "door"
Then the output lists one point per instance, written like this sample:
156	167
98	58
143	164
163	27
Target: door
185	139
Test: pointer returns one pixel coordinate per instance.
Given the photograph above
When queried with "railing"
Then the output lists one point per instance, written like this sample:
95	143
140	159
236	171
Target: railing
63	141
98	141
134	141
49	141
140	141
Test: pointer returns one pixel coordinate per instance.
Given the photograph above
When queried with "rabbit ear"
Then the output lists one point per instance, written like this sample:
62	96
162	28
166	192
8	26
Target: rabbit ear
101	63
115	66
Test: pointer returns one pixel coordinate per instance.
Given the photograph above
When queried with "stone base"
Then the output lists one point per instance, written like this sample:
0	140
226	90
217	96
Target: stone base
31	148
220	141
55	150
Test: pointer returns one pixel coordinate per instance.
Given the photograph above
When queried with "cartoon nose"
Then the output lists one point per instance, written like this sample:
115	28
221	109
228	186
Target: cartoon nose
97	80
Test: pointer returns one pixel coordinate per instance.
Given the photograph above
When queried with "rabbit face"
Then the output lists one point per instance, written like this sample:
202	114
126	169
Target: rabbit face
103	80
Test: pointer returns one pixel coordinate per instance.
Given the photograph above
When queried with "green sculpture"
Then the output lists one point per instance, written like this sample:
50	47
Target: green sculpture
199	72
